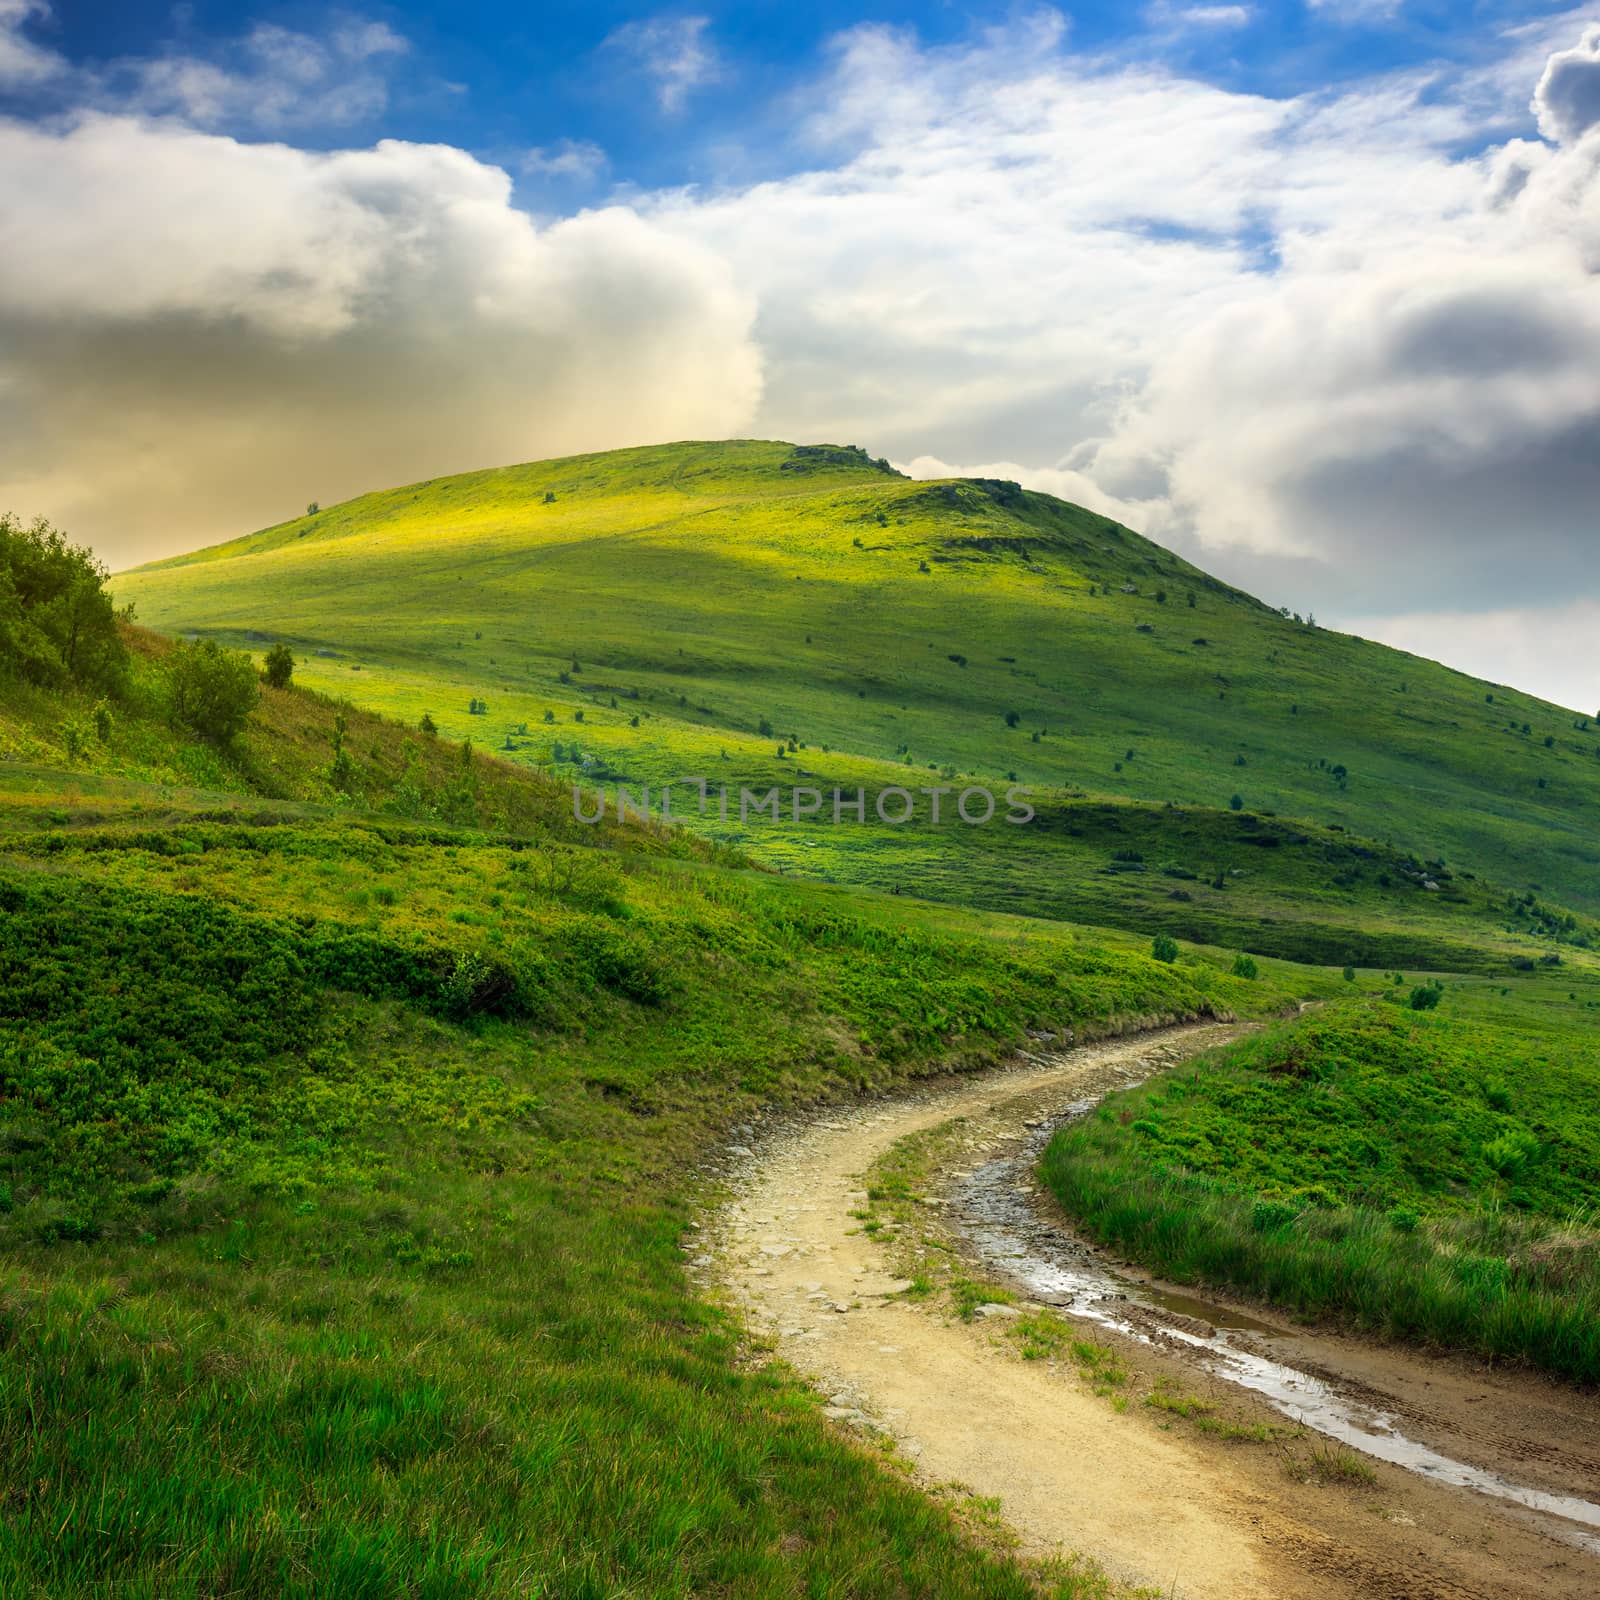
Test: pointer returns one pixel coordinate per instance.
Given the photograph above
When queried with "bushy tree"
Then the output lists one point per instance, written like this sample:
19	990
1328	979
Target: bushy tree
1164	947
211	690
1426	996
279	668
1244	966
56	619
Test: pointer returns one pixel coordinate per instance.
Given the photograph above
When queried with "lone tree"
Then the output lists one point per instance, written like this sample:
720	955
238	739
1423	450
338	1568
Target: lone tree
211	690
1164	947
279	667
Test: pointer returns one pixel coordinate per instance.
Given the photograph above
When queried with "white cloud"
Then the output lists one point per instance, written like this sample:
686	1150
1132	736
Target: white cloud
272	80
578	159
23	63
1171	14
200	334
1567	99
675	52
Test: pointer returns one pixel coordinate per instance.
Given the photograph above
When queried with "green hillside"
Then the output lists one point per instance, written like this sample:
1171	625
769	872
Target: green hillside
358	1103
762	614
355	1106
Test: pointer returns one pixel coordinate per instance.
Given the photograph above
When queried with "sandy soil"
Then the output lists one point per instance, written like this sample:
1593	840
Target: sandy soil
1153	1500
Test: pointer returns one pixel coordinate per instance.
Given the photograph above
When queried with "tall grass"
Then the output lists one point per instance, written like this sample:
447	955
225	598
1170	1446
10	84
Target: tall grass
327	1271
1194	1176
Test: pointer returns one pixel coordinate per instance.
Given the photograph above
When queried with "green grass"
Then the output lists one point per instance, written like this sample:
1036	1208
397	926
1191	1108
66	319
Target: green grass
346	1179
1431	1176
706	591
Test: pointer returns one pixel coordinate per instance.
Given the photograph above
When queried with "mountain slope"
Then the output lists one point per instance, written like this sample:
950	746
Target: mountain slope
735	598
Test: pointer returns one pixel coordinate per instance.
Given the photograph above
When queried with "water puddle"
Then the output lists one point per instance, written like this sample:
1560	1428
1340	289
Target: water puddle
993	1210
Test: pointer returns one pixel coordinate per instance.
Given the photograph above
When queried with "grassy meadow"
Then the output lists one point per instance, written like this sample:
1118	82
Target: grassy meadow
759	614
346	1183
1426	1173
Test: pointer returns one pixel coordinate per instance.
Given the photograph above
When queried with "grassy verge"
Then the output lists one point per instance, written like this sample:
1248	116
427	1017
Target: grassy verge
1427	1176
346	1172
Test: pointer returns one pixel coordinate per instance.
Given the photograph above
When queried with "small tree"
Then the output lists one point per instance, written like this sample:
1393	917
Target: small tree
429	726
211	690
1164	948
1236	802
1244	966
279	667
1349	974
313	509
1426	996
1012	719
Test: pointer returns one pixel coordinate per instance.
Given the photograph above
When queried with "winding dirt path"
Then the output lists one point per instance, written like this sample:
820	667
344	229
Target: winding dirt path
1154	1500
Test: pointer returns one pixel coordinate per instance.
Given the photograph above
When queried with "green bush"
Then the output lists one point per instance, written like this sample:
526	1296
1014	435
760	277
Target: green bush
1245	966
279	666
1164	948
1426	996
211	690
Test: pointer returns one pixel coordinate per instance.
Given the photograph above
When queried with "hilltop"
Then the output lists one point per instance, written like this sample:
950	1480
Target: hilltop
761	614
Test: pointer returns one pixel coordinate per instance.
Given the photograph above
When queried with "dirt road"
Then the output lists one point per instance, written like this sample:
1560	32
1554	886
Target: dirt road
1158	1501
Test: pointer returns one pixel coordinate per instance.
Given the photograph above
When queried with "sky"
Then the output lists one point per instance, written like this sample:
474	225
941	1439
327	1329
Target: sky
1308	292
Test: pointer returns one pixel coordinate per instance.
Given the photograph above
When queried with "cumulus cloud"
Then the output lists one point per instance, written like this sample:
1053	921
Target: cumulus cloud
201	334
674	52
1567	99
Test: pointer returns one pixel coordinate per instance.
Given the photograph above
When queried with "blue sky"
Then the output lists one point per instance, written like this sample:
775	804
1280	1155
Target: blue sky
1309	292
500	78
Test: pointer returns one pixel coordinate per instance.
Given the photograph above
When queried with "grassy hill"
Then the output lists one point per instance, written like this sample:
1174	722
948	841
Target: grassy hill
357	1102
350	1149
762	614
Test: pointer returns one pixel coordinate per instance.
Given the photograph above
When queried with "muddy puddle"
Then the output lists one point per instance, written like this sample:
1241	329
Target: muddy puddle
993	1207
